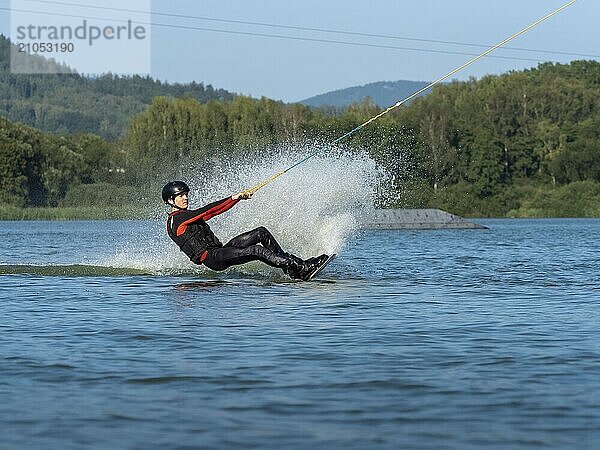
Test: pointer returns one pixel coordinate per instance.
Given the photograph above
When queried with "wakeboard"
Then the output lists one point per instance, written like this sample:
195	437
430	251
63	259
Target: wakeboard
322	266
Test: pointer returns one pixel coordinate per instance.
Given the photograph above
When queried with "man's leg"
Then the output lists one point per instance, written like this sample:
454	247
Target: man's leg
264	237
259	235
224	257
244	248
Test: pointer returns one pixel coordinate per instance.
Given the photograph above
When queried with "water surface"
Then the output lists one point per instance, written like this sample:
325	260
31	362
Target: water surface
411	339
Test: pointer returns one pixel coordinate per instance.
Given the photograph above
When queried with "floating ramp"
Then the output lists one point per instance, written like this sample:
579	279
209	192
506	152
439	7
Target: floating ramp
414	219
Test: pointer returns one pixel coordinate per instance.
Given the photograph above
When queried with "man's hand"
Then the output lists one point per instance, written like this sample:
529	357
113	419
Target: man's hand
244	195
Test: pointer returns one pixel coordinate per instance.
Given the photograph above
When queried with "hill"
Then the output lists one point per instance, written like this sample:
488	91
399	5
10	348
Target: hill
72	103
381	93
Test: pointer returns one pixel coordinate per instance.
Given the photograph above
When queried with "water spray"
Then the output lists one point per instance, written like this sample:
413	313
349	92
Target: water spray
410	97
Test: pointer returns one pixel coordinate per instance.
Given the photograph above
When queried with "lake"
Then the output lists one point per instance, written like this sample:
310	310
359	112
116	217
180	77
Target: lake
447	339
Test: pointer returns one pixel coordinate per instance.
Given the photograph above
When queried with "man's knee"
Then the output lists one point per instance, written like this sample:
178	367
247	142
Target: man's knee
263	233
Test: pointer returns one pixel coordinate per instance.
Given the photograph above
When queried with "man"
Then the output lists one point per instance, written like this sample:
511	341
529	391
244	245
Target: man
189	230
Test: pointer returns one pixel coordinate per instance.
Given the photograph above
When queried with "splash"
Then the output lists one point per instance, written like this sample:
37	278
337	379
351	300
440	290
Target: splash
312	209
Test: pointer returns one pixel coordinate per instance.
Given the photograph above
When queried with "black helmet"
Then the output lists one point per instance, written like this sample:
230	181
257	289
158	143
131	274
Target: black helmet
172	189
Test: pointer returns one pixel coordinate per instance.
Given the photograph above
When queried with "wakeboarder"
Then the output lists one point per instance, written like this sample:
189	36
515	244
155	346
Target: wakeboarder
189	230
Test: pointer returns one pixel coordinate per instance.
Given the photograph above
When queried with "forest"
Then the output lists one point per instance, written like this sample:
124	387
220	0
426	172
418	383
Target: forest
521	144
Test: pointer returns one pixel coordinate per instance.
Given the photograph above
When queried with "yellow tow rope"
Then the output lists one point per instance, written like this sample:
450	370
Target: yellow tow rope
410	97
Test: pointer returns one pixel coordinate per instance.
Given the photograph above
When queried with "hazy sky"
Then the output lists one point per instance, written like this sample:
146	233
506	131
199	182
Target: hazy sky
293	69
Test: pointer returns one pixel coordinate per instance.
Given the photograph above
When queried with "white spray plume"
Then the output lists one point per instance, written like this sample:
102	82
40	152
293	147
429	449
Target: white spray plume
311	209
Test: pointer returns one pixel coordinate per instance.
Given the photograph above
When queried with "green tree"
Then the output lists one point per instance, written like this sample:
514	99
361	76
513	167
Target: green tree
487	165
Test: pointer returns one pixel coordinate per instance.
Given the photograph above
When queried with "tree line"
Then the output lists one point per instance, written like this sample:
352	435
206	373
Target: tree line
523	143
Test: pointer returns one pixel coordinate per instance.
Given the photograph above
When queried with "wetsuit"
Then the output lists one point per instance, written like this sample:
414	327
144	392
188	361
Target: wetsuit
189	230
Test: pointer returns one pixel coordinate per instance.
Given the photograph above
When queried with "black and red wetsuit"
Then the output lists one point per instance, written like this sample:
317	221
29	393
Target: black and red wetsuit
189	230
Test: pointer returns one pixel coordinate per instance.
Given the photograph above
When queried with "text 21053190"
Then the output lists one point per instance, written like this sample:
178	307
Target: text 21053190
46	47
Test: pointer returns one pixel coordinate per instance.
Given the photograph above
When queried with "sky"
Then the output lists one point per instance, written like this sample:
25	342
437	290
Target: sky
241	48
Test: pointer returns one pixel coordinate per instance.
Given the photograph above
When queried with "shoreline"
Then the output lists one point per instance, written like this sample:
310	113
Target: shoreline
12	213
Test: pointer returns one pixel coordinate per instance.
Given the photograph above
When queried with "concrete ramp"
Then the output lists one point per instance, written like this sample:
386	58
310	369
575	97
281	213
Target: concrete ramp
414	219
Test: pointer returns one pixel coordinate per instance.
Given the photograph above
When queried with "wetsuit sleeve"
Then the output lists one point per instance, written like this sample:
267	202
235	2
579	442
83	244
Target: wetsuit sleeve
184	218
215	208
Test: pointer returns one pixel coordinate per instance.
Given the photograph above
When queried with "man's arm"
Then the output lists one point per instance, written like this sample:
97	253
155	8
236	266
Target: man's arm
215	208
185	218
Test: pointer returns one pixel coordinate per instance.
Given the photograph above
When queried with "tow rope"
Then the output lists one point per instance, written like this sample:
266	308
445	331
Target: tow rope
410	97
